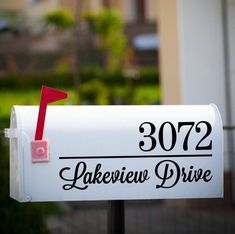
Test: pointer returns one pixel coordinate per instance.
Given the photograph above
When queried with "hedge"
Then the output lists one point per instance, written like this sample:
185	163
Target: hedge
15	81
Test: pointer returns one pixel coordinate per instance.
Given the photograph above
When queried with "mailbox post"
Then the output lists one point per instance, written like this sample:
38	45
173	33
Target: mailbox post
116	217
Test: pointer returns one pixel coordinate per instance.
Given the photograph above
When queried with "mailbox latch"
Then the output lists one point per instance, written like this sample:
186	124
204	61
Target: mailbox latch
11	132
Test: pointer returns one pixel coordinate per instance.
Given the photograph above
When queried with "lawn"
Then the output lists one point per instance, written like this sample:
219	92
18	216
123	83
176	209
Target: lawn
20	97
140	95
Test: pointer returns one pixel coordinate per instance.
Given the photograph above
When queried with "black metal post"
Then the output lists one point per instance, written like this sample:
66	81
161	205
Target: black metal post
116	217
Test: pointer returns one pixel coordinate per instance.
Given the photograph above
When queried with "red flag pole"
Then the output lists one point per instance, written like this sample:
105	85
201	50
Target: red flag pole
48	95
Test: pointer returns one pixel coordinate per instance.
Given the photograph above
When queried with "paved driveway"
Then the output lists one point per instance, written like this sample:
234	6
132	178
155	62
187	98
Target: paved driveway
144	217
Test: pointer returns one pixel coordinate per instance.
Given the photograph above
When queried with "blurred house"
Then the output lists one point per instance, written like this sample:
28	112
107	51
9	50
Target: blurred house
139	16
27	18
141	27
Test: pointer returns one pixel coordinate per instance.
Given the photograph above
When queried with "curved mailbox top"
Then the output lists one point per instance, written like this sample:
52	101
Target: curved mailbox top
118	152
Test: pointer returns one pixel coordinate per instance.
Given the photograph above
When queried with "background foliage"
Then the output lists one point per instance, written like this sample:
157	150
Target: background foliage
108	27
99	84
60	19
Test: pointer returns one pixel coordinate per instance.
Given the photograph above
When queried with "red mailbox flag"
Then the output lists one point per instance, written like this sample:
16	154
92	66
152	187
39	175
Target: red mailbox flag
48	95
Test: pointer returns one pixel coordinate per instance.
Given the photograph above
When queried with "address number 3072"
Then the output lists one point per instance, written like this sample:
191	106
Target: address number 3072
151	137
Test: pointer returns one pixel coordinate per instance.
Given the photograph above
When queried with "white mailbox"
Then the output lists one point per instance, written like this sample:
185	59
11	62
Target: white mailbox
117	153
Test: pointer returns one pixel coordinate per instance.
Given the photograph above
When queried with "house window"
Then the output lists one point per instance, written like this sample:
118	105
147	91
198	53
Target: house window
34	1
135	11
140	10
106	3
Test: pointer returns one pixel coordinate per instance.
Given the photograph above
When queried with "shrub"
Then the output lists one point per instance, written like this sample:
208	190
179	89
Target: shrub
95	92
60	19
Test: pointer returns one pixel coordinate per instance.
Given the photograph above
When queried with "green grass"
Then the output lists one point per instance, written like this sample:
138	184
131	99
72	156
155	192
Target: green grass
8	98
140	95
